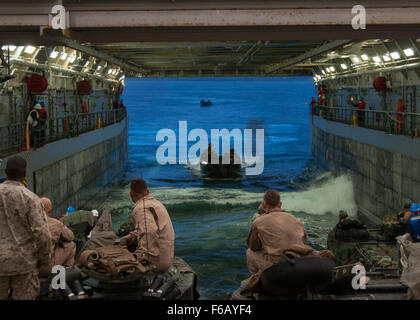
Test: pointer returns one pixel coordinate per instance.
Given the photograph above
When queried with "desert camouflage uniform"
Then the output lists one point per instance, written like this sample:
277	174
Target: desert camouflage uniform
270	235
63	248
158	247
25	241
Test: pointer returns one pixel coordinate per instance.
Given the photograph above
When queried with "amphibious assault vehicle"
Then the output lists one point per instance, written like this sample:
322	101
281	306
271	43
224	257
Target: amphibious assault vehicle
356	249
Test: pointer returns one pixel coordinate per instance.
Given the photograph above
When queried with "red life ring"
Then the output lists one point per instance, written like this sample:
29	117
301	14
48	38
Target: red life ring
36	84
380	84
84	87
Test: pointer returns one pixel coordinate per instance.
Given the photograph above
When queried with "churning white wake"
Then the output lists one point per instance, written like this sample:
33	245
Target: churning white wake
331	195
326	194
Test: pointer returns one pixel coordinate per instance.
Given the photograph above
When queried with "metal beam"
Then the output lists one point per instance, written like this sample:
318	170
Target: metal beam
27	6
311	53
54	37
221	17
261	17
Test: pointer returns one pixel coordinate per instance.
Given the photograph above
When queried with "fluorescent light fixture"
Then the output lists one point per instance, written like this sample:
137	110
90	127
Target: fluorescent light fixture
386	58
364	57
323	72
332	69
19	51
30	49
63	56
356	59
408	52
395	55
343	66
54	54
72	59
11	48
377	59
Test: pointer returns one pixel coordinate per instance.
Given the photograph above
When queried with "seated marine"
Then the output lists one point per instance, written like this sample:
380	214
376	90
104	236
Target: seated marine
209	154
272	233
347	230
154	234
63	248
81	222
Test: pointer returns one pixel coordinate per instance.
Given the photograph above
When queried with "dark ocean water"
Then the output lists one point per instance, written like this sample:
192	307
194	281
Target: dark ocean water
211	219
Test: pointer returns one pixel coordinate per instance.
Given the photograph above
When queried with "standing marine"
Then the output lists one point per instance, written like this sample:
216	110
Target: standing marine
25	240
154	234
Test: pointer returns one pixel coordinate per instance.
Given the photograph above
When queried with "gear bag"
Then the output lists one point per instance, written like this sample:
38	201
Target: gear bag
110	259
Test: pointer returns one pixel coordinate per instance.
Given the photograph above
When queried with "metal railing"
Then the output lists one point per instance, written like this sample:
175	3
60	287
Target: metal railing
398	123
13	136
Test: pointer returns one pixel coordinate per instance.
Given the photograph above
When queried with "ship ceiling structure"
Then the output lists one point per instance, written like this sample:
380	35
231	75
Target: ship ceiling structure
212	38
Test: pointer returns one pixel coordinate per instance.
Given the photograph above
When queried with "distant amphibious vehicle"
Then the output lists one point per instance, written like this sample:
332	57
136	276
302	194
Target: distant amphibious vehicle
207	103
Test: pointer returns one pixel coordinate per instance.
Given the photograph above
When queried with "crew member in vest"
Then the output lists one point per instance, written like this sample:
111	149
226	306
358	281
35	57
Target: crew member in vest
272	233
81	223
63	248
25	240
154	234
413	224
42	123
361	106
32	119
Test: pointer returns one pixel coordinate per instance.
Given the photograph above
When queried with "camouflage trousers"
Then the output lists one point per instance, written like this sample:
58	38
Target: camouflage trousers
22	286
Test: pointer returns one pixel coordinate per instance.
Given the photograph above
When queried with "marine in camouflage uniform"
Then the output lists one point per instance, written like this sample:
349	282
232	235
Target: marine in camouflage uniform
25	240
352	242
81	223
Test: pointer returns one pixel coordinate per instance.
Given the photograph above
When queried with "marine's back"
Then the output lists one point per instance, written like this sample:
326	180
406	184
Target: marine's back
278	230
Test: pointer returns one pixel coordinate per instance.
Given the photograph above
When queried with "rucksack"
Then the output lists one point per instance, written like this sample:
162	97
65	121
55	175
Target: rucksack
110	259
